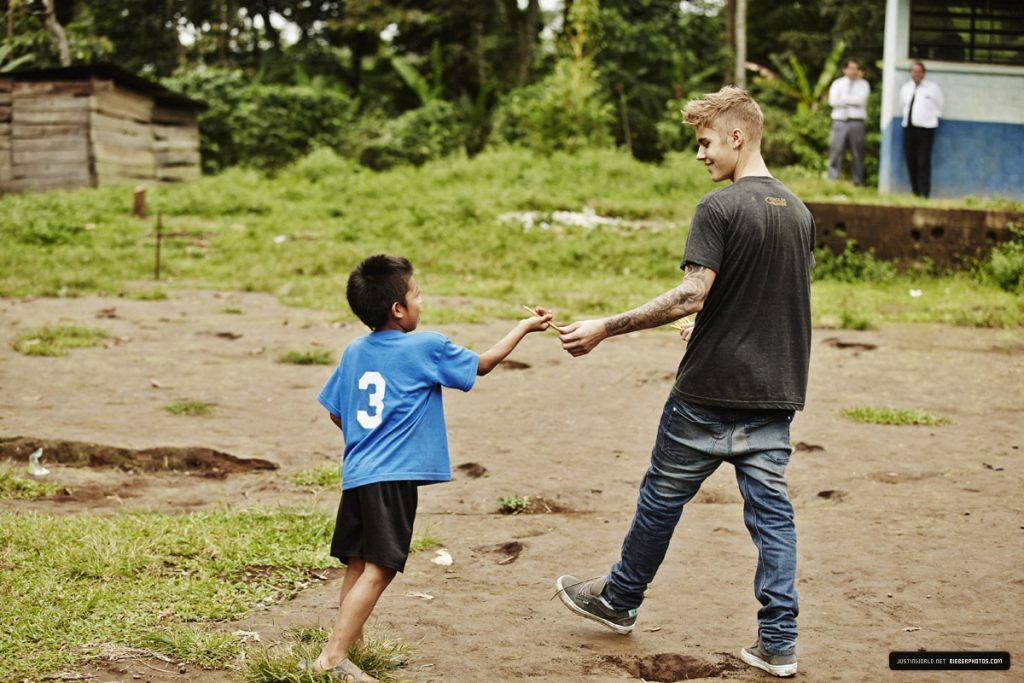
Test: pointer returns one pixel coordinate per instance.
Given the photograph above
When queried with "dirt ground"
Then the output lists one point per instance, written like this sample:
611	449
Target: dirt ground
909	537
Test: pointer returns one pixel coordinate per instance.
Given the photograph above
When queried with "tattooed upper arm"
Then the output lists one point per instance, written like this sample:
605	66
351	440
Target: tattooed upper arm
696	285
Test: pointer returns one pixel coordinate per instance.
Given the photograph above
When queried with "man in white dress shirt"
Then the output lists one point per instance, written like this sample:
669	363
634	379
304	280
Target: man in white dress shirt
922	104
848	97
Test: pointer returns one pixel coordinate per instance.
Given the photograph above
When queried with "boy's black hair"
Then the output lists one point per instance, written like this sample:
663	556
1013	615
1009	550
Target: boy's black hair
376	283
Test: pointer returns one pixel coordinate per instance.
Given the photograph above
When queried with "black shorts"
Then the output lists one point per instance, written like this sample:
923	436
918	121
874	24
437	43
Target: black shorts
375	523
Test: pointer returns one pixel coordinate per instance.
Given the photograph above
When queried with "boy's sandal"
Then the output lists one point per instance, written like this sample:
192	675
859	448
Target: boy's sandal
345	671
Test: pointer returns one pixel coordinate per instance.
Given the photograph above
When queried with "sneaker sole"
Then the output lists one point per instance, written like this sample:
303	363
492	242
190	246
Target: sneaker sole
781	671
621	630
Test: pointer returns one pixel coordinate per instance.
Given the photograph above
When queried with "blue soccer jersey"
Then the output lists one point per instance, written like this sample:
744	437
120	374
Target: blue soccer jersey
387	392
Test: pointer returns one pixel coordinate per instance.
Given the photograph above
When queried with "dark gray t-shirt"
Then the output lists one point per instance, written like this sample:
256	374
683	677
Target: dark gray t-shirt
751	345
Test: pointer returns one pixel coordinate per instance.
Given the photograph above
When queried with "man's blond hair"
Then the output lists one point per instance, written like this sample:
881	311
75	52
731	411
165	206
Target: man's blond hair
729	108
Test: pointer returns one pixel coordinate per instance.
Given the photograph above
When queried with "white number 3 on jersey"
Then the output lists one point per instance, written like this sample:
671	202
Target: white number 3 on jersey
374	383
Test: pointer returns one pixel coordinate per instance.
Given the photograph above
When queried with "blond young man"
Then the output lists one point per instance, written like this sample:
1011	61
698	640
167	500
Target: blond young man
747	267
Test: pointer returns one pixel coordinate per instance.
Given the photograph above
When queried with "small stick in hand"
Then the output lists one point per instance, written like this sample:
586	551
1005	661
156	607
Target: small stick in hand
680	324
533	311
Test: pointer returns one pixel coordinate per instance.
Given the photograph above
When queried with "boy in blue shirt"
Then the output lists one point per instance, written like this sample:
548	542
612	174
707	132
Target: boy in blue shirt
386	397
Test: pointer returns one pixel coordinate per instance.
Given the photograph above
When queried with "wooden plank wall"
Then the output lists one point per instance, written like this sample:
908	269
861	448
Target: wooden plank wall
49	145
121	137
176	134
6	85
63	134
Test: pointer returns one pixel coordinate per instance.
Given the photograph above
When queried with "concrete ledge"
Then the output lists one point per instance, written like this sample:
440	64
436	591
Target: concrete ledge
906	234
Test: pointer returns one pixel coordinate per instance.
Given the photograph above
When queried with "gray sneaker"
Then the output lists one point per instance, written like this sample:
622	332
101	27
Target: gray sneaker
776	665
584	598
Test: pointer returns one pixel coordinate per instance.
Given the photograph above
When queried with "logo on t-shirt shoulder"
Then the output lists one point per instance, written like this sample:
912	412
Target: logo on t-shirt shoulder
776	201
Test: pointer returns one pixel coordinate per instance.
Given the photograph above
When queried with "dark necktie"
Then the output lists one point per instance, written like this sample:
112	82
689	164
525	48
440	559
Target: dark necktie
910	109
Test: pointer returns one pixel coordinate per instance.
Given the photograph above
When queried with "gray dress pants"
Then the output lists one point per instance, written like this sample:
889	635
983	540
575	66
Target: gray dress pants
843	134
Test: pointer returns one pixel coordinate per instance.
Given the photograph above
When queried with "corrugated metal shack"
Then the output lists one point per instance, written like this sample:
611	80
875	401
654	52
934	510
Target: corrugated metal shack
84	126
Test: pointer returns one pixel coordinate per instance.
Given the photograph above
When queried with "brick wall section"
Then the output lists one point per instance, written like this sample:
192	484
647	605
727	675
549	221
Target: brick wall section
907	234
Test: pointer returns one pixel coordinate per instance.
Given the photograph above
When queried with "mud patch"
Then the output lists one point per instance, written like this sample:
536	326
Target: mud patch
670	667
506	553
205	462
513	365
805	447
544	506
473	470
658	377
838	343
832	494
901	477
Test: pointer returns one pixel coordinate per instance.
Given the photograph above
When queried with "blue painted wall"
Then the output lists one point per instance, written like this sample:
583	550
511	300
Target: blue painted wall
969	157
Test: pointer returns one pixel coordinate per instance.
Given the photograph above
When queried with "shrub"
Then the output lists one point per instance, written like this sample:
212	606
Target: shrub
796	139
416	137
263	126
1005	264
851	265
554	114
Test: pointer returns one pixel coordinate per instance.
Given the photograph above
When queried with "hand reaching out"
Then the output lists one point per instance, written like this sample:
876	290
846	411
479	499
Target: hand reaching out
580	338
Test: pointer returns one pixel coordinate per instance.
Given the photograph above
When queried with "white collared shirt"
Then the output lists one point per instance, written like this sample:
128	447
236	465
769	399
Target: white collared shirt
928	103
849	99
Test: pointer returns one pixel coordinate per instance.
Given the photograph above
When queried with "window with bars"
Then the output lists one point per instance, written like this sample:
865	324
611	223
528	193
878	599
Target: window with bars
977	31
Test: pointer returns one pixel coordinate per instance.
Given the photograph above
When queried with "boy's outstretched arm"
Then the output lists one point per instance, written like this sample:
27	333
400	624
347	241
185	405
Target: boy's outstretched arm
490	358
335	419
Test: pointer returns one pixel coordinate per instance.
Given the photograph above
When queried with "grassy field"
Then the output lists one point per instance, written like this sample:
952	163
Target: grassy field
461	222
485	239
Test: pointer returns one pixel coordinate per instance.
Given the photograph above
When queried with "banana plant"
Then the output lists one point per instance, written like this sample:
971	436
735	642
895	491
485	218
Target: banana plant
791	79
427	91
7	65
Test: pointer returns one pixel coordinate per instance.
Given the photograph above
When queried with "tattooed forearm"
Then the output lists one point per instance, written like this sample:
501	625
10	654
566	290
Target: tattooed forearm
685	299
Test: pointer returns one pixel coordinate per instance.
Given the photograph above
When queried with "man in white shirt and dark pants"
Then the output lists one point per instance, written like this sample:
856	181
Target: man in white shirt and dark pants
848	97
922	104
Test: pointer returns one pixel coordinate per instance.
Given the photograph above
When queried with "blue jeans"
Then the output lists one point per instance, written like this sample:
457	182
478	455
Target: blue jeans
693	440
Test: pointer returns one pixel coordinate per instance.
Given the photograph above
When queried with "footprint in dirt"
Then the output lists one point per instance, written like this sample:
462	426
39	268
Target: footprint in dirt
670	667
507	553
857	346
472	470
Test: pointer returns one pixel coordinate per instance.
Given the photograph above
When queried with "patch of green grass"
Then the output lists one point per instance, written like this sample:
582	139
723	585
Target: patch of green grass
189	408
952	299
325	476
310	357
893	416
55	340
513	505
67	581
153	294
489	265
233	310
853	321
380	658
14	485
205	647
426	540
